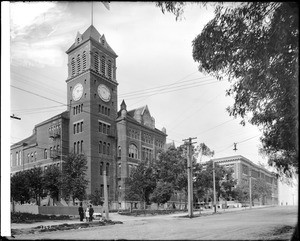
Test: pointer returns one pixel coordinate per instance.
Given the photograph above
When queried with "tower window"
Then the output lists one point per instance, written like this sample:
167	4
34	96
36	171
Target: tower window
103	65
96	60
73	66
78	64
84	61
109	69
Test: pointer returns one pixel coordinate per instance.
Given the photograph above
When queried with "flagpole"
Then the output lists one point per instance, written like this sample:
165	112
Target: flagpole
92	14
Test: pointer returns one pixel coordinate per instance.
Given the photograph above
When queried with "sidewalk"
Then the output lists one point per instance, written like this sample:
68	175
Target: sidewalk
124	218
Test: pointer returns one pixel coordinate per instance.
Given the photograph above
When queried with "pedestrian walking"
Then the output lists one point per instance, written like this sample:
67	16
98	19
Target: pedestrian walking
91	212
81	212
87	214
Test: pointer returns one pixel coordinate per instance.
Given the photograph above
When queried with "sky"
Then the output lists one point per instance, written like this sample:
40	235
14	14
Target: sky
155	67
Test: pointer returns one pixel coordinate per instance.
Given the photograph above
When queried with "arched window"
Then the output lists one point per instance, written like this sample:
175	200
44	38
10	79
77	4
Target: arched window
96	61
78	64
101	168
104	147
45	154
107	169
109	69
73	66
81	146
100	146
78	143
103	65
74	147
84	61
108	149
50	152
133	151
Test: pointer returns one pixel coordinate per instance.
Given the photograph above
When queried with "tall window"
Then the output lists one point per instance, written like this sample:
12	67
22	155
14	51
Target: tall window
17	158
74	147
84	61
109	69
51	152
101	168
35	156
133	151
81	147
103	65
104	147
100	146
78	64
73	66
45	154
107	169
108	149
119	151
78	143
96	61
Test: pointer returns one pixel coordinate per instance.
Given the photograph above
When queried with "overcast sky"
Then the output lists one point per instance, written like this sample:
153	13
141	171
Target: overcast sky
154	67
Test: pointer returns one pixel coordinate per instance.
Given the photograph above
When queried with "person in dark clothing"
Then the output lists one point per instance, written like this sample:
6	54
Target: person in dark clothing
91	212
80	210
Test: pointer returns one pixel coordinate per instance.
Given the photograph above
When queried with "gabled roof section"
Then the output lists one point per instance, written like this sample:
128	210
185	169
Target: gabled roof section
91	33
26	142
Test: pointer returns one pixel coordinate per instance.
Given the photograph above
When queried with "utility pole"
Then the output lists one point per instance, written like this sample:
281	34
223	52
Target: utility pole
214	182
105	195
250	189
189	143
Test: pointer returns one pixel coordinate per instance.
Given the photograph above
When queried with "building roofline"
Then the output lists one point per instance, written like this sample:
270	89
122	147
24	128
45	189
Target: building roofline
240	157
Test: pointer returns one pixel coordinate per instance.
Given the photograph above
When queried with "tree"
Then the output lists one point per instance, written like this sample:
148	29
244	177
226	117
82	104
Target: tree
36	183
261	190
227	185
203	182
203	150
255	45
73	177
171	168
162	193
141	183
96	198
242	192
52	181
19	187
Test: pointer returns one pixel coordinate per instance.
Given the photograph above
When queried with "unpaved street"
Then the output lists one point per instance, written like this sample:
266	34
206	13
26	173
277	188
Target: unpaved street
240	225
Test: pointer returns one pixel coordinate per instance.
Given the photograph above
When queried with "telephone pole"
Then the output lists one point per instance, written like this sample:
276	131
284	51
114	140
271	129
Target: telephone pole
189	143
105	195
214	184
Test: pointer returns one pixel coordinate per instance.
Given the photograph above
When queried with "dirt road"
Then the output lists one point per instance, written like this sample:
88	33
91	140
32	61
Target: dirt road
241	225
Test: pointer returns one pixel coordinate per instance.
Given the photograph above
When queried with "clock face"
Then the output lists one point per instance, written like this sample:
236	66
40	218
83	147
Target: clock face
104	93
77	92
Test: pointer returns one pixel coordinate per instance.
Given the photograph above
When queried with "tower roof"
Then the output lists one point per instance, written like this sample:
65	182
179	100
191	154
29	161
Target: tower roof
91	33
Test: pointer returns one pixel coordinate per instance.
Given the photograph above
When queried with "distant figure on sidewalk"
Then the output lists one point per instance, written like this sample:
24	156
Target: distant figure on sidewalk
81	212
91	212
87	214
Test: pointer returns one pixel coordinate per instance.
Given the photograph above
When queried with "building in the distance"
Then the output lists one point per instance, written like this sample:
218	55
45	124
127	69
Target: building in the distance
112	140
244	169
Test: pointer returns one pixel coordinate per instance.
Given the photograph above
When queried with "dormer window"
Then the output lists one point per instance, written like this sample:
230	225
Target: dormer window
102	41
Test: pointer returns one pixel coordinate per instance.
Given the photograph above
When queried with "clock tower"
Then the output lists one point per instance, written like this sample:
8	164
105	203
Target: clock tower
92	104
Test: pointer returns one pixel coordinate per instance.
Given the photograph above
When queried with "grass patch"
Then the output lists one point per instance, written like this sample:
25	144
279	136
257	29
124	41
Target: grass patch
18	217
62	227
147	212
